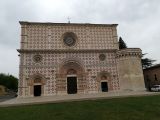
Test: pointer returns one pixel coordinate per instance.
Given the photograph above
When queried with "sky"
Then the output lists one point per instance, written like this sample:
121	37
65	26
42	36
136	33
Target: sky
138	21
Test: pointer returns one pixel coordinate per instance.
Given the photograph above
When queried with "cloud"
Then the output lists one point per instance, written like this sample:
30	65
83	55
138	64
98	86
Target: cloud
12	12
138	22
9	62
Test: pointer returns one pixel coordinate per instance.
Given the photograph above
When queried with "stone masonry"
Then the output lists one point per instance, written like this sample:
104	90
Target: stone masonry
51	53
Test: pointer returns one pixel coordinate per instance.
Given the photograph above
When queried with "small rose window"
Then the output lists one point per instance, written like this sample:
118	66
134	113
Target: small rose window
37	58
102	57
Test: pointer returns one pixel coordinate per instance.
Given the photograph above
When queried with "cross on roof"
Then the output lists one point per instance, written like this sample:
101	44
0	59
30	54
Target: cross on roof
69	19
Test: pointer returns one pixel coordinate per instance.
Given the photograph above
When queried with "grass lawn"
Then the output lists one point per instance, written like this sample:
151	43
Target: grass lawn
132	108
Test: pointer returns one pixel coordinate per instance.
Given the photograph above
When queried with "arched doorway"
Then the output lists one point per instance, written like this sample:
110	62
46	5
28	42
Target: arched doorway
71	81
36	83
37	90
37	86
104	86
71	78
104	81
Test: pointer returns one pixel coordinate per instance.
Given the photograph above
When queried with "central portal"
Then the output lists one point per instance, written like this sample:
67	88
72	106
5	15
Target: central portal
37	90
71	85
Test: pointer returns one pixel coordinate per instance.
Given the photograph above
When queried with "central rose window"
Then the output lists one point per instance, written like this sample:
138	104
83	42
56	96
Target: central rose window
69	39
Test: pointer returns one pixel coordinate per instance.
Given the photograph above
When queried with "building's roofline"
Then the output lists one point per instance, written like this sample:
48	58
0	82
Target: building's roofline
67	24
153	67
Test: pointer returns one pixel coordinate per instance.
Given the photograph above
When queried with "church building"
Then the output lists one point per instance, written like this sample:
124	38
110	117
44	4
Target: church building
75	58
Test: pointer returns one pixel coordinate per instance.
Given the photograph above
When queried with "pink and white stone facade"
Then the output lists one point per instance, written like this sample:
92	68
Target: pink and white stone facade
57	60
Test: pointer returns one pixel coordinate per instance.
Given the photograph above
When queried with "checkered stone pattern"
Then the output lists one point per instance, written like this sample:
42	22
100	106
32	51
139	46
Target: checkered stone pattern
46	40
41	36
50	66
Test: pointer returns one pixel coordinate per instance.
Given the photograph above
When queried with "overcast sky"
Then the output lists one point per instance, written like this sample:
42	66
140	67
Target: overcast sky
139	22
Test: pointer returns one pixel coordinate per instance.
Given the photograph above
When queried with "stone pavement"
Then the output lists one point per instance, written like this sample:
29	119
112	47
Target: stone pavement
7	96
73	97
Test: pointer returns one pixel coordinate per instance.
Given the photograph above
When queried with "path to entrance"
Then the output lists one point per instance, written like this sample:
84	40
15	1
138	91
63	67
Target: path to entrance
72	97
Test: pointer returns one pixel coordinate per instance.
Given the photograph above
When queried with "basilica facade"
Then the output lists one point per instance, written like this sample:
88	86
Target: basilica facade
73	58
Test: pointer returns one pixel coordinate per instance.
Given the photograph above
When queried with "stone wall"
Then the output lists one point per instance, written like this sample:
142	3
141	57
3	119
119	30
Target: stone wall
46	41
51	63
50	36
95	57
130	69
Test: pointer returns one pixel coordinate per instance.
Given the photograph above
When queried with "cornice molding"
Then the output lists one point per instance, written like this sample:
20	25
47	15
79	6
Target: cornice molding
129	52
66	24
65	51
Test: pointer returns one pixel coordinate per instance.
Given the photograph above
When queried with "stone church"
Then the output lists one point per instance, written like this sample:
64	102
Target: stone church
73	58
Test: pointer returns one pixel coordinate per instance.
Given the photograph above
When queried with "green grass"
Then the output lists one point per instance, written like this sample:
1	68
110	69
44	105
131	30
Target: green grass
132	108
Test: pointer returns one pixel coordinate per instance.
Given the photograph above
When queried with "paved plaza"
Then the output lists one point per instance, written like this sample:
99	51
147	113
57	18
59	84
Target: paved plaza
73	97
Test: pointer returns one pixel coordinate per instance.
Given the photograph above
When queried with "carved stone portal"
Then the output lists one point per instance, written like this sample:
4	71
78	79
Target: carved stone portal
71	68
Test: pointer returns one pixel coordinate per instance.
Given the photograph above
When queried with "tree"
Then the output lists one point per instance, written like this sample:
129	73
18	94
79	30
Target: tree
122	44
9	81
146	62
